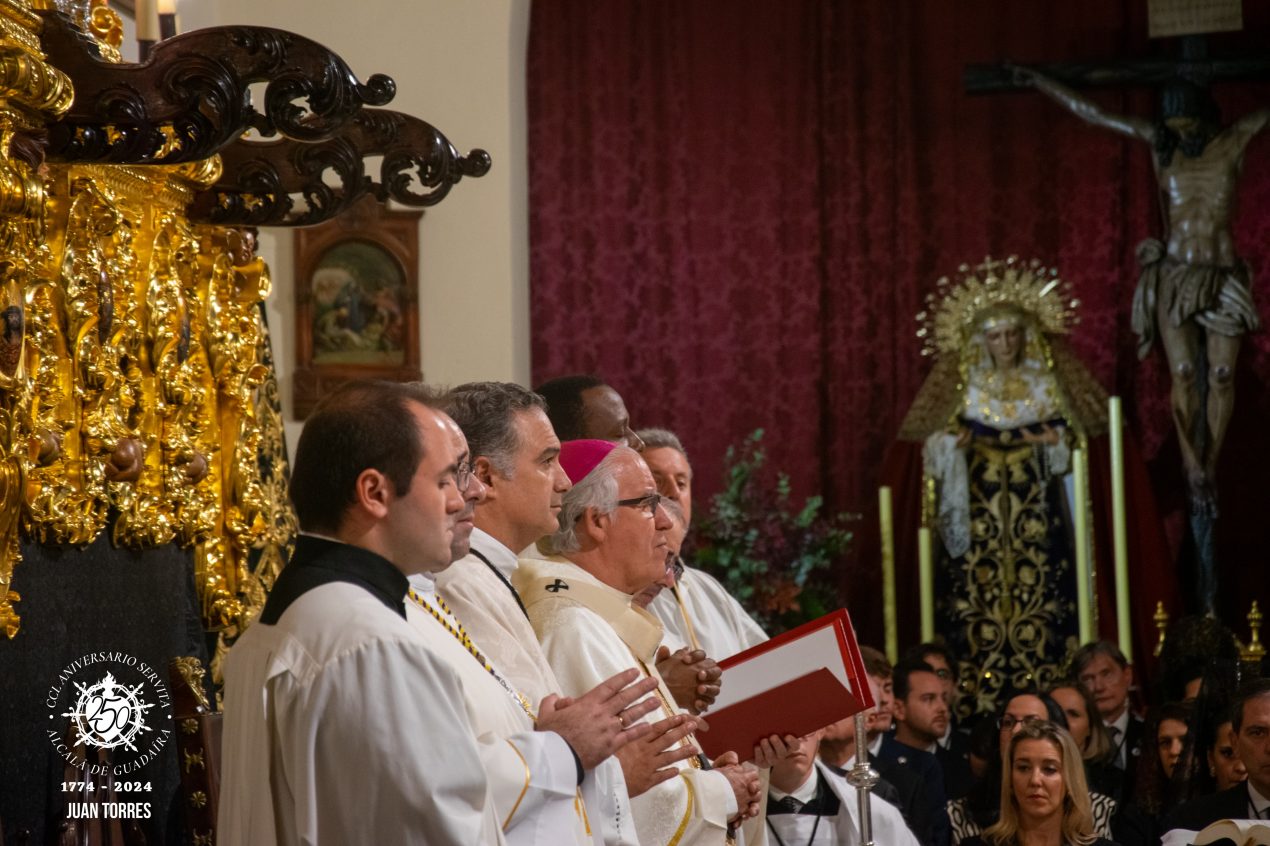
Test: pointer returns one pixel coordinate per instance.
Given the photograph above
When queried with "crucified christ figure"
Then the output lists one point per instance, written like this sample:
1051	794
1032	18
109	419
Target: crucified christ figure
1193	291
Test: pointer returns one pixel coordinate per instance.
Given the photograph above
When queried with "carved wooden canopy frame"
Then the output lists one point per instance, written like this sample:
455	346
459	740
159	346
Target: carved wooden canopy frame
390	236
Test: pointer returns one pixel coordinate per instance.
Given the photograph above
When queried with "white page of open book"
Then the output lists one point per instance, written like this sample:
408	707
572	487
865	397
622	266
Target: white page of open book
784	664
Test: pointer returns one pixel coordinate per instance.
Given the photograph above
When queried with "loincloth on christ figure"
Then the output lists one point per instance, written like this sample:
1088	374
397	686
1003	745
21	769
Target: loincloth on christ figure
1219	299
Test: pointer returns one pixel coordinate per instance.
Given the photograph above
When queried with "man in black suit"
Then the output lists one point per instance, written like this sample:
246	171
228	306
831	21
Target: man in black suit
954	758
1102	668
920	717
1250	719
898	784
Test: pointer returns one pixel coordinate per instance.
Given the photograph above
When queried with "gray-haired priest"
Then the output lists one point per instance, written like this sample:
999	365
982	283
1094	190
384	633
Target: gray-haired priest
611	544
699	612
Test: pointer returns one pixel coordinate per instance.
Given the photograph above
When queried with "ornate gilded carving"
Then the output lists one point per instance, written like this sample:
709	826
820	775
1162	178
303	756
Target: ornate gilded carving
12	332
1255	650
145	366
1161	618
192	673
28	81
278	532
106	26
186	401
137	390
191	97
237	283
58	507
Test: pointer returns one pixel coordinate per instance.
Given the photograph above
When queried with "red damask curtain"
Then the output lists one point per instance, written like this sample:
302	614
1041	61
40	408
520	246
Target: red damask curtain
737	208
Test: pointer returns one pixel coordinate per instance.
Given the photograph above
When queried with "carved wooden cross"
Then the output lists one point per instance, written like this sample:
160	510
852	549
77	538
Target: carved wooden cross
1192	63
1197	189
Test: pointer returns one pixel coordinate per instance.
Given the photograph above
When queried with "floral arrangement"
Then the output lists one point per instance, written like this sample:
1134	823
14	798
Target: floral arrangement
775	558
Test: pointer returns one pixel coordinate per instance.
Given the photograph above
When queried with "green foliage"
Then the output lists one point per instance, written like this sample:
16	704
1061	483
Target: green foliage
775	558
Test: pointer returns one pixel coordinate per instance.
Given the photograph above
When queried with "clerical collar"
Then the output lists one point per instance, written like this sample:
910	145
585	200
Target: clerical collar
495	552
320	560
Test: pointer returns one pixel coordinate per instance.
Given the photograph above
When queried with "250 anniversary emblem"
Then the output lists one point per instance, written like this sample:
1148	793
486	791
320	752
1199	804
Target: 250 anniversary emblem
113	701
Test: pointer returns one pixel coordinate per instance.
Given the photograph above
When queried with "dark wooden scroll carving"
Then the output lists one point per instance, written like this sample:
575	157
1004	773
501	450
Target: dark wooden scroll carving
191	97
288	183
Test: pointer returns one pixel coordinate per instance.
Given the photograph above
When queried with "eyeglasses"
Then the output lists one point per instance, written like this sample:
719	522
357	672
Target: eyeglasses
648	502
464	475
675	567
1007	723
943	674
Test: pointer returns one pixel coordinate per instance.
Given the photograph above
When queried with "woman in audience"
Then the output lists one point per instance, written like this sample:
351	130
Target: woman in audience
981	808
1044	800
1223	764
1163	743
1170	735
1091	736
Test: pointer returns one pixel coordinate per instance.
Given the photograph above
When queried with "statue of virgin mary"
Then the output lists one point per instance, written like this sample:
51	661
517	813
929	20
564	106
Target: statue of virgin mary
999	419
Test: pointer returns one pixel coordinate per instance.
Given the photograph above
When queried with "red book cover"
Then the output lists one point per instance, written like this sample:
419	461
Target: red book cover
795	683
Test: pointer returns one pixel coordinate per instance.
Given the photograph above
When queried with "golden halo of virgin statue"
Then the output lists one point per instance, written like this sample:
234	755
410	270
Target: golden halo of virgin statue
957	307
951	326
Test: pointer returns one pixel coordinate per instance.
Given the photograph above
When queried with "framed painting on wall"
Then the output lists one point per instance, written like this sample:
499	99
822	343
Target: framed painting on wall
357	296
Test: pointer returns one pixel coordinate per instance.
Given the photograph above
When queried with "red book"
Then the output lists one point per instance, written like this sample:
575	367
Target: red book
795	683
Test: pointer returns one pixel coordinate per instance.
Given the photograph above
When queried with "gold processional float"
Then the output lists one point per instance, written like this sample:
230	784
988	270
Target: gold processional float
137	390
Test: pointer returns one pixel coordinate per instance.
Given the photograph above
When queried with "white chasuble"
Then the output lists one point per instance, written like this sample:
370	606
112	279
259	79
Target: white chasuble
486	605
706	613
493	617
589	632
533	775
343	725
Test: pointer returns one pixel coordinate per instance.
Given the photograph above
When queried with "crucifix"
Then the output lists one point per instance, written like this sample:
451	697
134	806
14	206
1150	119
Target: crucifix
1194	292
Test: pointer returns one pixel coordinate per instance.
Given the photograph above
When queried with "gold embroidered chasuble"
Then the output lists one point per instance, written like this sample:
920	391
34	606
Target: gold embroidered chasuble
589	632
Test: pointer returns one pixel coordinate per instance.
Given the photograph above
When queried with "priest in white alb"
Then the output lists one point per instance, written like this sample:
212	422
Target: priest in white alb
536	752
342	724
515	456
699	612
